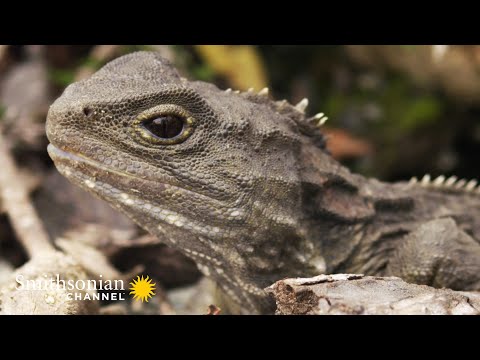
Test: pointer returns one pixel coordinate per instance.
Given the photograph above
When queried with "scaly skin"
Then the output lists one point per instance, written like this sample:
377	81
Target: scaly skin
247	189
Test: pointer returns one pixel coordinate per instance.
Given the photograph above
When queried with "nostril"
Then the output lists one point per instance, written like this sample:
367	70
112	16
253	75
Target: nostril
87	111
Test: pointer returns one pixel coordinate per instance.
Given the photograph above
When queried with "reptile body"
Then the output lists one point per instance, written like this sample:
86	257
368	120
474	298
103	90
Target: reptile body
244	185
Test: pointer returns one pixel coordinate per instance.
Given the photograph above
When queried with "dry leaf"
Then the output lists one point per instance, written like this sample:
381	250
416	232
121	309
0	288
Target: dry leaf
240	64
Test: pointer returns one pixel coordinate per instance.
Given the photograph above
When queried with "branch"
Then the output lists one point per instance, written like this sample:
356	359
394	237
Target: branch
17	204
368	295
45	262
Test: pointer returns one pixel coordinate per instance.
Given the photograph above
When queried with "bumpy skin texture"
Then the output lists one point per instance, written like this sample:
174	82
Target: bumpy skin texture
250	193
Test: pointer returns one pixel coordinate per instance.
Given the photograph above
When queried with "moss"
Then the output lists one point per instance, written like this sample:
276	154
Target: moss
334	105
405	110
92	63
203	72
62	77
420	112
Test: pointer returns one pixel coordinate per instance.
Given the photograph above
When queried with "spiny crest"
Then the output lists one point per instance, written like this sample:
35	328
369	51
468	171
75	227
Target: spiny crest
308	126
451	183
319	119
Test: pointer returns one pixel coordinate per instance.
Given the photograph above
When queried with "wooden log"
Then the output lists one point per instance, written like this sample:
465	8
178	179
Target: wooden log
357	294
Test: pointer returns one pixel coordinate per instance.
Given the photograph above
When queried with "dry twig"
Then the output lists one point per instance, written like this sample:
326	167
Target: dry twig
45	263
16	202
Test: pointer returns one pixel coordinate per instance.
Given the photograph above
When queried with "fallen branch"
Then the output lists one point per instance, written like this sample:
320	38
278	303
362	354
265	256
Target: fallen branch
16	202
368	295
45	262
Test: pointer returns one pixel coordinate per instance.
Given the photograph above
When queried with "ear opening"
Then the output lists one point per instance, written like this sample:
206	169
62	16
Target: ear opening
337	200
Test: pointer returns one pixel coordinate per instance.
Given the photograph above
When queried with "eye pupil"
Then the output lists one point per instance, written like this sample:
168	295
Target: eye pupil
165	127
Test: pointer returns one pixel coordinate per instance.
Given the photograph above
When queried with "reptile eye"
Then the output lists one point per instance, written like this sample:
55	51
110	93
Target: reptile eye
166	124
164	127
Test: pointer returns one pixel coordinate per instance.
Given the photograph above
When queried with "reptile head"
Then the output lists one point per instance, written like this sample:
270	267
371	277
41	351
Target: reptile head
211	172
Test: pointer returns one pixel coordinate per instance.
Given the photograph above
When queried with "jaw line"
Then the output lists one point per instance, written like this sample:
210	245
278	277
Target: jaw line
122	201
70	157
122	205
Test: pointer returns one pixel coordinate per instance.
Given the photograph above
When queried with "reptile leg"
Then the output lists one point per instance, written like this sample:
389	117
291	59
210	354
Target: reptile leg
438	254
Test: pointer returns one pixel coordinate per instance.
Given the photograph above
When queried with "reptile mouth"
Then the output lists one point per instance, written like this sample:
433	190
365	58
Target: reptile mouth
85	165
57	154
81	162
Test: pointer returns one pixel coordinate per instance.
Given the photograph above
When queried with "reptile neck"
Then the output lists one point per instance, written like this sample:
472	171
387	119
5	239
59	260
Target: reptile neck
345	212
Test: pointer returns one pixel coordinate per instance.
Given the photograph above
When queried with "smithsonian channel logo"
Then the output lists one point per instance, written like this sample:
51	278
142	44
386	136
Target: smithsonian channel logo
141	288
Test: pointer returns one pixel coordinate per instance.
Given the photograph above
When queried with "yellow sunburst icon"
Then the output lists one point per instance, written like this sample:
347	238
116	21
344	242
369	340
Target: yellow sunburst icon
142	288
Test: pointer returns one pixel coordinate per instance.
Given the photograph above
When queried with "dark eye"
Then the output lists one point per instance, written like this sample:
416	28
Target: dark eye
165	126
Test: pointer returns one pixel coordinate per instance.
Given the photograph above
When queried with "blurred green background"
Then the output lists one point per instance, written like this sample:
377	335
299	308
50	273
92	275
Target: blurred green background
394	111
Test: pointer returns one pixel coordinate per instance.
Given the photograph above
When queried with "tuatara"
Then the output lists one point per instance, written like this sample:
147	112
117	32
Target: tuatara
245	186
